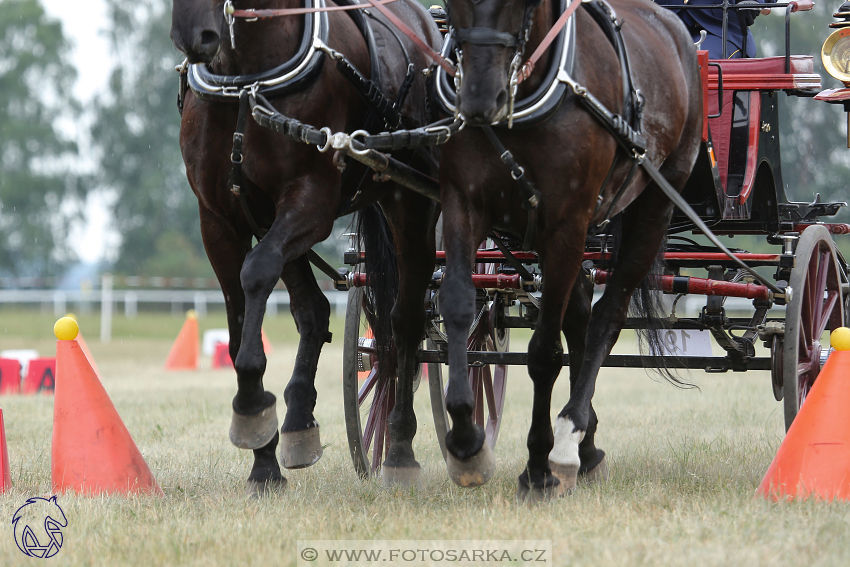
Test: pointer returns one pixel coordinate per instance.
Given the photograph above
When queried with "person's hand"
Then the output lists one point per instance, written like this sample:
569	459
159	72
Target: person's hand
748	15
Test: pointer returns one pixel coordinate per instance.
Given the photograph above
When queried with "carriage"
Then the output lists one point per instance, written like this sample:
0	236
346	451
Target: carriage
736	188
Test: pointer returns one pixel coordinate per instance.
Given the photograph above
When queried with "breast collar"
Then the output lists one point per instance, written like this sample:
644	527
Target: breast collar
288	77
538	107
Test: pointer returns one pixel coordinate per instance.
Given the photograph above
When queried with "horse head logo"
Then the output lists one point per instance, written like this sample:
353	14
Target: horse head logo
38	527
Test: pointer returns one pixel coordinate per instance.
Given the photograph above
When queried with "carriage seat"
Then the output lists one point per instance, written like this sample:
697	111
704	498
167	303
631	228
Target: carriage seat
747	79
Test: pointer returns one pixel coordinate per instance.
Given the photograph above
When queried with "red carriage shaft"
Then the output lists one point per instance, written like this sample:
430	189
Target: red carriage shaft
696	286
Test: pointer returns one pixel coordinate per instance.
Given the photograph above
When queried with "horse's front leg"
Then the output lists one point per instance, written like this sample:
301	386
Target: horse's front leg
469	460
413	234
226	251
291	235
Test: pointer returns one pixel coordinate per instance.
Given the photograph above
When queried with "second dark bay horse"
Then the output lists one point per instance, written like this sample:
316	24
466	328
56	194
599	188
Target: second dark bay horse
293	193
567	157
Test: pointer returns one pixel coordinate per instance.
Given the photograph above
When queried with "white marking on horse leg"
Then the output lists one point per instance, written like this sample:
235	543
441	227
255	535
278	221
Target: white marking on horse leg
563	459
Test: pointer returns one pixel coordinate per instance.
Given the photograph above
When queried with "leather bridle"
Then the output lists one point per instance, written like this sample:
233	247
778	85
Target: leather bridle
492	37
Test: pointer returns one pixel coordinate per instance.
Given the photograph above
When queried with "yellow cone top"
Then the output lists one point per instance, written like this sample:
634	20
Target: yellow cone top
191	314
840	339
66	329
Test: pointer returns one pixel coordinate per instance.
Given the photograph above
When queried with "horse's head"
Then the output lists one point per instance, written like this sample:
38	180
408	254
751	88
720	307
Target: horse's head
196	28
490	34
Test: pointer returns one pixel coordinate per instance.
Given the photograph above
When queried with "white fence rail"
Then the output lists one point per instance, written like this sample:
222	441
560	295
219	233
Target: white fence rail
107	299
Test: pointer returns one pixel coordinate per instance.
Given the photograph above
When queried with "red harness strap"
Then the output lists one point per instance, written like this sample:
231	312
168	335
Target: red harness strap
528	66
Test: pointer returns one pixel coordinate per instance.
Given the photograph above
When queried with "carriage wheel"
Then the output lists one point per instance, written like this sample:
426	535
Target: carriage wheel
488	382
367	404
816	305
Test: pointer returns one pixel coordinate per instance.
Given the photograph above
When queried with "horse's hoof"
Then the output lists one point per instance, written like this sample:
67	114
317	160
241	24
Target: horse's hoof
474	471
254	431
406	477
530	495
567	475
256	490
563	459
599	473
300	449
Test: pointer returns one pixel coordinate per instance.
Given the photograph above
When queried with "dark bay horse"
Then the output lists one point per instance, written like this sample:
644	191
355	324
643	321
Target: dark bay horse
567	157
293	194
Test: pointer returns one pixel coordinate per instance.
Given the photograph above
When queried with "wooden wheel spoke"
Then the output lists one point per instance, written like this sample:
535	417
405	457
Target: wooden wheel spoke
378	449
475	386
820	287
374	417
829	304
390	404
368	384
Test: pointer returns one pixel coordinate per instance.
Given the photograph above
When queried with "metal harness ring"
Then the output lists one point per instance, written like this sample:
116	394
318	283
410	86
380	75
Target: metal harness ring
328	134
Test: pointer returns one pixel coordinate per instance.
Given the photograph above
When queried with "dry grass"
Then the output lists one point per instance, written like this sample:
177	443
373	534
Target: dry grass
685	465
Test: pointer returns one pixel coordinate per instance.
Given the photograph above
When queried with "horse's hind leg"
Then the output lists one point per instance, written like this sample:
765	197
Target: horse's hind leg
300	443
593	465
226	252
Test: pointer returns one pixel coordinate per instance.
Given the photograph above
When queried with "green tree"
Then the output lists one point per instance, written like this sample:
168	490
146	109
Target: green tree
137	128
36	159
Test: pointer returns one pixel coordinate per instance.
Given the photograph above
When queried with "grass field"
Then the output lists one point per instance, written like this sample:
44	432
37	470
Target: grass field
684	468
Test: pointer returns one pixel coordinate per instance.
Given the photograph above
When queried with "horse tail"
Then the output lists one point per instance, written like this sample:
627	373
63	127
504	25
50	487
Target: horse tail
376	242
647	304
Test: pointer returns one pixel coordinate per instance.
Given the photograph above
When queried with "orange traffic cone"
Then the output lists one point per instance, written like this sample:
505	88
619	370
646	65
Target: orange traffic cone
814	458
82	342
5	472
186	349
92	451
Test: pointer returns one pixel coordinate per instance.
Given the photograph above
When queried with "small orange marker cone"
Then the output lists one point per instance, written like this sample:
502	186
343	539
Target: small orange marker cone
5	471
814	458
186	349
267	345
92	452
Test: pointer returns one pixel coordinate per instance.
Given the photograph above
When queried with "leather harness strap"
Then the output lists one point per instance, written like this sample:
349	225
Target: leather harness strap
528	66
274	13
402	27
